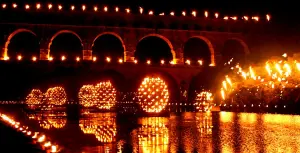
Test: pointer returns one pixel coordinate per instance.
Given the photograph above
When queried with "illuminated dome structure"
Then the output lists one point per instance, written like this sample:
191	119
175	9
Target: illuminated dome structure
102	95
203	101
153	95
34	97
102	125
55	96
152	136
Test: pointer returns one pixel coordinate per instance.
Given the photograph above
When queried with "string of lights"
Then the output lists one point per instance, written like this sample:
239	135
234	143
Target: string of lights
127	10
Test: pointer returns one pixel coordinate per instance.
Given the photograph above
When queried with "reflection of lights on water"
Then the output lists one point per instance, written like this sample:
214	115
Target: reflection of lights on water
55	96
203	101
103	95
152	136
55	120
34	97
102	125
153	94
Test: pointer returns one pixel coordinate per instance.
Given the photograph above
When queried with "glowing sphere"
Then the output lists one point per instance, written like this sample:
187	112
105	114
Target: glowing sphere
105	95
34	97
87	96
153	95
203	101
55	96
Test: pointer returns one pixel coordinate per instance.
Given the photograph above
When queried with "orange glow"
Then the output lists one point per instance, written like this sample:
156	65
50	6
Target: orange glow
245	18
194	13
83	7
162	62
59	7
38	6
77	59
94	58
15	5
49	6
34	58
268	17
200	62
172	13
3	5
27	7
150	12
135	61
72	7
161	14
172	62
206	14
63	58
216	15
256	18
95	8
6	58
120	61
108	59
183	13
148	62
117	9
127	10
141	10
188	62
50	58
234	18
19	57
225	18
105	9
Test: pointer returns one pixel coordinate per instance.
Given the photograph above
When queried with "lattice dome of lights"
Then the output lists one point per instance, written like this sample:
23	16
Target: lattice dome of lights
35	97
103	127
153	94
55	96
102	95
203	101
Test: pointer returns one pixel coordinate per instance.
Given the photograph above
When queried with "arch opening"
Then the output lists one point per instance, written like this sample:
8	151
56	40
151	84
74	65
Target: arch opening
234	49
154	48
65	43
23	44
108	45
199	48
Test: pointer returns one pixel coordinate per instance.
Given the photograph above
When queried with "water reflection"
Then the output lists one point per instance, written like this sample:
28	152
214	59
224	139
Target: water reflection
50	120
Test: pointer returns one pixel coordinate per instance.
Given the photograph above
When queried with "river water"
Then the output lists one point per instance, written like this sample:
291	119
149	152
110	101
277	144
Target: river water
187	132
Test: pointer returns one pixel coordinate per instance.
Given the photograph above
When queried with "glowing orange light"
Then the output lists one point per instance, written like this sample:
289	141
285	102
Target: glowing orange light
72	7
200	62
161	14
216	15
34	58
148	62
120	61
50	58
225	18
150	12
108	59
256	18
94	58
117	9
141	10
49	6
63	58
95	8
173	62
59	7
6	58
194	13
3	5
19	57
15	5
135	61
234	18
206	14
105	9
77	59
162	62
245	18
127	10
38	6
188	62
268	17
27	7
183	13
172	13
83	7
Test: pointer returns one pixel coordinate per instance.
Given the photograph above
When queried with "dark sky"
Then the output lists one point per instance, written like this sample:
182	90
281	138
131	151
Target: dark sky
280	10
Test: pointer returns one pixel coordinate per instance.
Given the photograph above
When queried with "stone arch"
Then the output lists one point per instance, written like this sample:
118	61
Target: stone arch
117	36
232	42
11	36
210	47
164	39
58	33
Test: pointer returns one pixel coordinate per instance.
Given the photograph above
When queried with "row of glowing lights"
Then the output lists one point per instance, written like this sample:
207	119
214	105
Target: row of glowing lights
141	11
36	136
108	59
280	74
